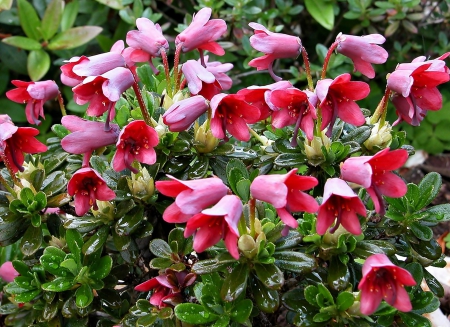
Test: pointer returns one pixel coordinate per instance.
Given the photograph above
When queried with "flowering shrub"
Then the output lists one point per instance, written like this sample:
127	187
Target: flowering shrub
174	203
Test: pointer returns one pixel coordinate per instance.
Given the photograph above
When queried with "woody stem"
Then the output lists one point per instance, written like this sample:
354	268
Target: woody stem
327	59
176	71
167	73
307	69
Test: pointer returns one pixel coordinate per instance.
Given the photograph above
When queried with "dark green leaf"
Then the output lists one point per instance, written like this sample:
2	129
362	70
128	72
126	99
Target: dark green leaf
194	314
294	261
59	284
74	243
412	319
338	275
31	240
270	275
101	268
84	296
433	284
420	231
96	241
235	283
130	222
160	248
211	265
429	187
267	300
424	302
290	159
242	311
416	271
311	292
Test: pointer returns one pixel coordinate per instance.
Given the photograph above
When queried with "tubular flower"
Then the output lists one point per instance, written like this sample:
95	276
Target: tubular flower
415	86
274	46
340	203
191	196
295	109
200	81
374	173
230	112
384	280
34	94
218	70
88	186
284	192
363	51
337	99
180	116
213	224
136	142
202	33
7	272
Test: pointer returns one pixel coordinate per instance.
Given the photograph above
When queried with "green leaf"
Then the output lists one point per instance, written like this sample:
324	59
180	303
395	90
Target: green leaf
69	15
84	296
338	275
322	12
290	159
29	20
412	319
70	265
416	271
31	240
235	283
52	19
270	275
311	292
433	284
345	300
424	302
22	42
101	268
114	4
160	248
96	241
422	232
130	222
211	265
243	189
266	300
429	187
194	314
294	261
74	243
241	311
325	293
38	64
74	37
59	284
439	212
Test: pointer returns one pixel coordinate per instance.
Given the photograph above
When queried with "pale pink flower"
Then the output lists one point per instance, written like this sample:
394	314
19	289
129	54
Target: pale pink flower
7	272
180	116
199	80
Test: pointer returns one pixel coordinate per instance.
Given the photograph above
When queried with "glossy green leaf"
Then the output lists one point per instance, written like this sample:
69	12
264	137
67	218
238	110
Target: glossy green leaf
26	297
429	187
38	64
295	261
130	222
74	243
338	275
96	241
29	20
121	242
424	302
31	240
69	15
211	265
74	37
22	42
266	300
325	292
235	283
101	268
428	249
270	275
194	314
422	232
59	284
365	249
84	296
322	317
52	19
412	319
160	248
71	265
322	11
344	300
433	284
290	159
416	271
242	310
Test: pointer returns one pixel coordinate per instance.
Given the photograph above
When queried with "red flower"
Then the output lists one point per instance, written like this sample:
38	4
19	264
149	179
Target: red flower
340	203
284	192
363	51
202	33
337	100
180	116
384	280
216	223
7	272
200	81
232	113
136	142
192	196
88	186
374	174
34	94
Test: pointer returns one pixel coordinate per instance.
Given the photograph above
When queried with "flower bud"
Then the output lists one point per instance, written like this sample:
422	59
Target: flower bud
247	246
141	185
205	142
105	211
379	137
313	148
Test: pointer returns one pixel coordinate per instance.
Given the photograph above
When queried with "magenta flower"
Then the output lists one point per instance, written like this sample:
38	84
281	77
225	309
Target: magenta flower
374	173
87	135
340	203
180	116
274	46
191	196
200	81
337	99
218	70
34	94
202	33
88	186
384	280
284	192
78	68
216	223
230	112
295	109
7	272
363	51
136	142
148	38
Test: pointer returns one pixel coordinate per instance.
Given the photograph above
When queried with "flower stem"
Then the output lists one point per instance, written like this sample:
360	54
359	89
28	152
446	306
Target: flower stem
327	59
167	73
257	136
142	105
381	111
61	104
176	70
307	69
252	216
7	187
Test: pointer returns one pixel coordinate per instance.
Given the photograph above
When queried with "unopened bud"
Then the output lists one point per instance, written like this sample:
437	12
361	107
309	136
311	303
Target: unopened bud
205	142
379	137
105	211
247	246
313	149
141	185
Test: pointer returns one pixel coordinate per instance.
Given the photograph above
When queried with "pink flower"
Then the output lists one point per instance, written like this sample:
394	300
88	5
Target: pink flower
15	141
136	142
218	70
7	272
192	196
88	186
232	113
216	223
200	81
284	192
274	46
77	68
374	174
337	100
34	94
384	280
295	109
87	135
340	203
180	116
148	38
202	33
363	51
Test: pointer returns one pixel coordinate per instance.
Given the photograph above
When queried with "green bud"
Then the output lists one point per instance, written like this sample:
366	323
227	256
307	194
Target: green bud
247	246
380	137
141	185
313	149
205	141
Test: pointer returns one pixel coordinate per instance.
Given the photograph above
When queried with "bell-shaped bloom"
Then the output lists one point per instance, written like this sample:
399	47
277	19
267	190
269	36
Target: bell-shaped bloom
285	193
374	173
15	141
34	94
182	114
191	196
363	51
274	46
7	272
259	96
87	135
136	142
103	91
78	68
230	112
199	80
202	33
219	69
295	108
383	280
337	99
88	186
340	203
148	37
216	223
167	287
